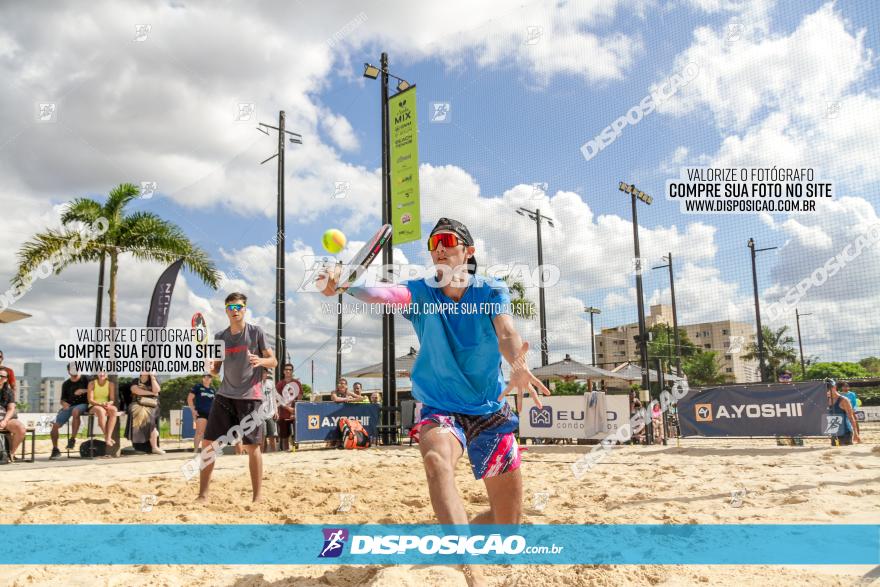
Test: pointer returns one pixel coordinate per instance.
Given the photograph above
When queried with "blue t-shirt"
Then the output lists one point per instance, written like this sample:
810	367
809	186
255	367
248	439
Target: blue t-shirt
204	397
459	365
853	399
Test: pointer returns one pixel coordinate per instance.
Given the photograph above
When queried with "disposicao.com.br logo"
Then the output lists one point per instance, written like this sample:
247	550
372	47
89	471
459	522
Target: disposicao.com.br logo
430	544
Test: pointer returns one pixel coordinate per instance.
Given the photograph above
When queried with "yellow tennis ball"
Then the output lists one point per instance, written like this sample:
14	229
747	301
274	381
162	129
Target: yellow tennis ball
333	240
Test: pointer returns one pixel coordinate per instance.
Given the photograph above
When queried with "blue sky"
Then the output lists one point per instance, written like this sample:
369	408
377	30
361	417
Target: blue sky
516	118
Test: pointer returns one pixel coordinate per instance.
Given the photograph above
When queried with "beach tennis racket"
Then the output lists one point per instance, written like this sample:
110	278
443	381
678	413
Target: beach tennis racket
362	259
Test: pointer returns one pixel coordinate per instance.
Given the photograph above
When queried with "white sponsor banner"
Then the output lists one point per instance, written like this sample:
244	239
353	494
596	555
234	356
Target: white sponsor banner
563	416
40	421
872	413
176	421
617	413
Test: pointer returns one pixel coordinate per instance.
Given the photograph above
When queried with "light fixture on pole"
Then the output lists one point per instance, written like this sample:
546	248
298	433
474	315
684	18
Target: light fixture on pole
538	218
642	338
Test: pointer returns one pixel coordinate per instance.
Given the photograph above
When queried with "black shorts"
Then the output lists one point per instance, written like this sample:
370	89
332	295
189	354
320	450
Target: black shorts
202	415
227	413
844	440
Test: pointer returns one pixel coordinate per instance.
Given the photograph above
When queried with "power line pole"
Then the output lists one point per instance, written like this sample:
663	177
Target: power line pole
593	311
668	258
760	341
280	286
538	218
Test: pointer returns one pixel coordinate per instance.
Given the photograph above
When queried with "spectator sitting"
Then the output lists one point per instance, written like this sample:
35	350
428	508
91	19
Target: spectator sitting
74	402
200	400
657	420
10	373
374	397
102	402
638	421
144	414
8	420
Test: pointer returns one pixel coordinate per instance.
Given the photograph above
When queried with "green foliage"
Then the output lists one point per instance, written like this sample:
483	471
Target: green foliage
702	369
871	365
522	306
870	396
662	345
570	388
836	370
778	351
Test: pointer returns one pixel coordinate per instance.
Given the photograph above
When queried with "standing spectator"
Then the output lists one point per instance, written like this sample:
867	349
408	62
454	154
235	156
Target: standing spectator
374	397
8	420
291	391
10	373
200	400
144	413
785	377
102	402
840	406
73	403
850	395
270	436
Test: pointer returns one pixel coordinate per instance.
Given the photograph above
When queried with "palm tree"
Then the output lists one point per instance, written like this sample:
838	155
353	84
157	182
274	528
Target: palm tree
521	305
778	351
144	235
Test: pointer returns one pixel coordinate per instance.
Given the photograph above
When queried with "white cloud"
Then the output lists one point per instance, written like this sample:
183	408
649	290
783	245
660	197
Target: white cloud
797	74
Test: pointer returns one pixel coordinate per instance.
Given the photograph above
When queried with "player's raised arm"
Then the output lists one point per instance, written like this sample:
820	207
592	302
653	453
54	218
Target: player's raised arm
396	294
514	349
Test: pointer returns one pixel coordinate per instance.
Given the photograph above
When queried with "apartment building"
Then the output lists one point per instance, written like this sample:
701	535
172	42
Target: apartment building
616	345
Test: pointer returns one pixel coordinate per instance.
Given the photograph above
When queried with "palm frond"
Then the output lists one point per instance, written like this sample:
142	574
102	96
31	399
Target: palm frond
83	210
119	197
58	248
149	237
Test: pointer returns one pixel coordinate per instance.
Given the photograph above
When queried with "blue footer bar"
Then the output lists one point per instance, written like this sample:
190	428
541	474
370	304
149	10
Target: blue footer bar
250	544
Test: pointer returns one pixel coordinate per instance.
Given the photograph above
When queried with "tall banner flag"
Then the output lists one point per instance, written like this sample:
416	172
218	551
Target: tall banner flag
405	217
160	303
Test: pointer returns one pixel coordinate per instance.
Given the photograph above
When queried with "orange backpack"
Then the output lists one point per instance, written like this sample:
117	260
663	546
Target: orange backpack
353	434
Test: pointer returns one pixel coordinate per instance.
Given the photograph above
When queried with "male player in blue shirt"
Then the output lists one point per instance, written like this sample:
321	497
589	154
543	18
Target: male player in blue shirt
457	375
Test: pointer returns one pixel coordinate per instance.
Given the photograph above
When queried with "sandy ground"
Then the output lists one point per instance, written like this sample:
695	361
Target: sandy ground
654	485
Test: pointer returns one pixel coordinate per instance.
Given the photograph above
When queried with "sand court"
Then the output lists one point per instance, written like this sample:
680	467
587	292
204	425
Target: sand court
725	482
